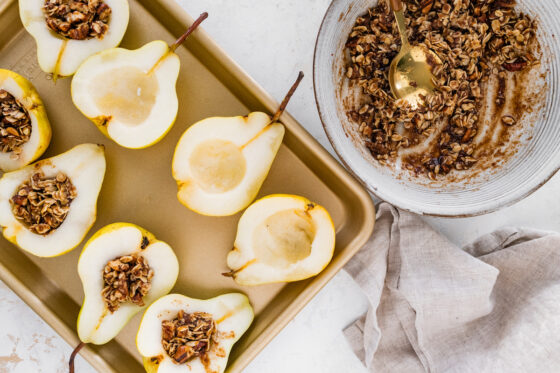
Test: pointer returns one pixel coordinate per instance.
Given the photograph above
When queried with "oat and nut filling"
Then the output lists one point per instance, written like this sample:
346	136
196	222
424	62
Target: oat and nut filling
42	203
187	336
77	19
15	124
126	279
475	39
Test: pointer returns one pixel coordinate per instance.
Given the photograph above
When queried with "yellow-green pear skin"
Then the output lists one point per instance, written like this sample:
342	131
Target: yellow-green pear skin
62	56
96	324
220	163
26	94
138	109
85	166
232	314
281	238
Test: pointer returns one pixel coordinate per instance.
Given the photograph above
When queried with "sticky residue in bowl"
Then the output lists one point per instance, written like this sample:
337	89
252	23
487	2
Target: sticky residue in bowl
428	141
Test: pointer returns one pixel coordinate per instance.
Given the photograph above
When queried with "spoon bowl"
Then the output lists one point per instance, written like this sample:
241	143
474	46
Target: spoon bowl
410	73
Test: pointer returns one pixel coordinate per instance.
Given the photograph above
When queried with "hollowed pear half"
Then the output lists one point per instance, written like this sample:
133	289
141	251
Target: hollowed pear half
95	323
85	166
232	313
281	238
62	56
221	163
24	92
129	94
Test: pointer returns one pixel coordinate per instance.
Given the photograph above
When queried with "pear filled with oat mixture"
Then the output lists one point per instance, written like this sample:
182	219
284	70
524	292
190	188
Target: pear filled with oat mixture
48	207
140	107
123	269
69	31
25	131
182	334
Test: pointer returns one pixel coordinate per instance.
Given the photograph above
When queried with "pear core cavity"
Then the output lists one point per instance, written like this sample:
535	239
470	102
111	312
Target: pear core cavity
187	336
126	93
284	237
42	203
126	279
15	124
77	19
218	165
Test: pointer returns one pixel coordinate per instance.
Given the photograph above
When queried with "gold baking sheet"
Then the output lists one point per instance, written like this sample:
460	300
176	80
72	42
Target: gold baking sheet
138	188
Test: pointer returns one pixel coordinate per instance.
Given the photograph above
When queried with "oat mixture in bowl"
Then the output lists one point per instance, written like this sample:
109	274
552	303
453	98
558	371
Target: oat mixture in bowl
486	138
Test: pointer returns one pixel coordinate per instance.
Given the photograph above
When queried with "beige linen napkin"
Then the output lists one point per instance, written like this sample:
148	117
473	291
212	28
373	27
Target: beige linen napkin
492	307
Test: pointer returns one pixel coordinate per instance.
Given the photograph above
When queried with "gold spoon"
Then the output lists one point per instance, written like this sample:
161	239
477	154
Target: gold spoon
410	74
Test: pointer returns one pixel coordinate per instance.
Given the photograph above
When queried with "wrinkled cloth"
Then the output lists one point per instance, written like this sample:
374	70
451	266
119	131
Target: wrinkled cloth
493	306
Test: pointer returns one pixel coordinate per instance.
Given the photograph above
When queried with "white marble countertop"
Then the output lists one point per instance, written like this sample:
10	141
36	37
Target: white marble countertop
272	40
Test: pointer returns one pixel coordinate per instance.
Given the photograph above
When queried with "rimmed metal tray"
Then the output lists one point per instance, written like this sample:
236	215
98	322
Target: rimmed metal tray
138	188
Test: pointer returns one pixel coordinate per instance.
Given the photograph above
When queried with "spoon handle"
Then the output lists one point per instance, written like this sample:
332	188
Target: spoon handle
397	8
396	5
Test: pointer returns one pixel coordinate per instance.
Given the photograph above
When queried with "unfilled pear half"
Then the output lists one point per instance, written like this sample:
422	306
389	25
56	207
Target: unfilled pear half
64	46
123	269
130	95
204	332
47	208
220	163
25	131
281	238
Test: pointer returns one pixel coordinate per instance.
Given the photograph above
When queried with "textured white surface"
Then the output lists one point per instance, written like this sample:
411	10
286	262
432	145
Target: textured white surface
272	40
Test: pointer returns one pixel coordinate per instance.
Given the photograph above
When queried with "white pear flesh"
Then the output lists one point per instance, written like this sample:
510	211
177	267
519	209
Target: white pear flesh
233	315
95	323
129	94
221	163
59	55
85	167
281	238
24	92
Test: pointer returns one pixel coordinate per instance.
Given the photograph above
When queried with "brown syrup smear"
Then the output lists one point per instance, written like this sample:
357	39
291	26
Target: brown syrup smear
497	142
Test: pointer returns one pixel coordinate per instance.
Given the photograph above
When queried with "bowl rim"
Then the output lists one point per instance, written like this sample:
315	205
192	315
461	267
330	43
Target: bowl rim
473	213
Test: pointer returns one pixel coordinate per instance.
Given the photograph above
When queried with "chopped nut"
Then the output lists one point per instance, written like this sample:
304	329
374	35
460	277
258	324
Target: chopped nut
42	204
187	336
77	19
508	120
515	66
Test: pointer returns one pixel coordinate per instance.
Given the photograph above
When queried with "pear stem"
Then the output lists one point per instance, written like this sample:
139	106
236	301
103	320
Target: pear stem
230	273
284	103
189	31
73	356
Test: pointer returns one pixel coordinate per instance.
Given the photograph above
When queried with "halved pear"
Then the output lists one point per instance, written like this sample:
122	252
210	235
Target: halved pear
281	238
84	166
220	163
96	324
27	98
232	314
60	55
130	95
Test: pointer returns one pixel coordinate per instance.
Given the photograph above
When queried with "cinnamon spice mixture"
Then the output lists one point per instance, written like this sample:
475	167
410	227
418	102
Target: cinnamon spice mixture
187	336
475	39
77	19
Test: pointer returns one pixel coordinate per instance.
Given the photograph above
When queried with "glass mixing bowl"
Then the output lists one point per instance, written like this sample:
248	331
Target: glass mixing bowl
536	160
